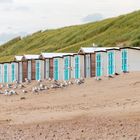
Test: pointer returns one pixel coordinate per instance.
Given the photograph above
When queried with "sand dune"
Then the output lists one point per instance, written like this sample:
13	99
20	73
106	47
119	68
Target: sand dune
96	110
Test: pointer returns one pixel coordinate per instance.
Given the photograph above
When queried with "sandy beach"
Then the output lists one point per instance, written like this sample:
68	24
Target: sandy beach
108	109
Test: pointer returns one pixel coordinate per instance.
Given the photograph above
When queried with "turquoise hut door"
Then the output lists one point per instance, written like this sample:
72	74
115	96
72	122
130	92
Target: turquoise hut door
87	65
38	76
1	74
5	73
66	68
98	65
77	69
56	69
124	61
110	63
13	72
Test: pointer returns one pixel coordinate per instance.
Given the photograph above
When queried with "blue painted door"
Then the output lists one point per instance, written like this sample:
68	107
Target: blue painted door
110	63
56	69
38	69
88	66
66	68
13	78
1	74
124	60
5	73
98	65
77	67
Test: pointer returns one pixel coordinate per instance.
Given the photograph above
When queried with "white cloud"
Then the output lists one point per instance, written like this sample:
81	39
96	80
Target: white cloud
32	15
6	1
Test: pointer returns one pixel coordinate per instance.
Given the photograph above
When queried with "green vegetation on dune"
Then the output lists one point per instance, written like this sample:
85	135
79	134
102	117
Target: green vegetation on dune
120	31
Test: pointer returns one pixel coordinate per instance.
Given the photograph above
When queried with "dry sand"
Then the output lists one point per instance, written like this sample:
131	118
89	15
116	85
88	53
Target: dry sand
96	110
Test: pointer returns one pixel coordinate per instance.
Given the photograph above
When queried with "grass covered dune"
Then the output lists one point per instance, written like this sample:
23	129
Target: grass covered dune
119	31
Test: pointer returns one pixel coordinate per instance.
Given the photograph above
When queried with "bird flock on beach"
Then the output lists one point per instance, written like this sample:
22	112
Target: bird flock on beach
17	88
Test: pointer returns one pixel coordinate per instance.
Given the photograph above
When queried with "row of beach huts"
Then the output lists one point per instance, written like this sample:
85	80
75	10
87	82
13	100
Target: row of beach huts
88	62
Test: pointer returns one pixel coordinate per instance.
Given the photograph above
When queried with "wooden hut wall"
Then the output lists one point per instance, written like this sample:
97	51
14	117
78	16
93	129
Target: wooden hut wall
29	69
118	61
61	69
33	69
72	67
93	64
87	65
42	69
46	68
51	67
82	66
24	68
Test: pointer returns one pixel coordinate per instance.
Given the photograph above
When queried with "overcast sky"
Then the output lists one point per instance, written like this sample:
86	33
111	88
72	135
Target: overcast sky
21	17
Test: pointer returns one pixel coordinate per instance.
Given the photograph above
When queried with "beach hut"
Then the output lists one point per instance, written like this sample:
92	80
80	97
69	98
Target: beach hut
68	67
79	69
39	69
113	61
28	67
130	57
89	61
101	63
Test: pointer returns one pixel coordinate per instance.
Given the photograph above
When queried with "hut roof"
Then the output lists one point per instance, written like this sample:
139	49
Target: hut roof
18	58
28	57
94	49
51	55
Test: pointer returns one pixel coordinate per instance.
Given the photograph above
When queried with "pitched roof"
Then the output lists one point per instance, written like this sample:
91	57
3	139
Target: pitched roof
28	57
18	58
94	49
51	55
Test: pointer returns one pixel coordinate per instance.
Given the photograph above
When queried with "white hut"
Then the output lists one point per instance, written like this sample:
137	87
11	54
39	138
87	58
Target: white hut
130	57
78	66
113	61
